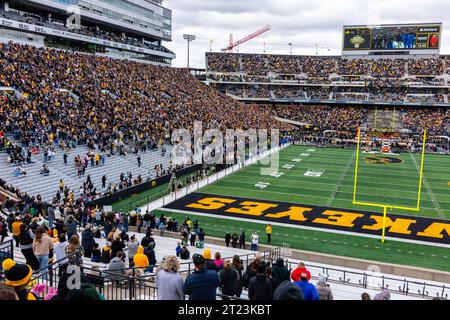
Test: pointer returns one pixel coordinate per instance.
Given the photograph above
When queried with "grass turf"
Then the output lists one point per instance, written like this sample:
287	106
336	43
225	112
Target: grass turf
395	184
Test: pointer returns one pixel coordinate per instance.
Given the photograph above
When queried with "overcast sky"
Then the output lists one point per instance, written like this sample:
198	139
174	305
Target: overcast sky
304	23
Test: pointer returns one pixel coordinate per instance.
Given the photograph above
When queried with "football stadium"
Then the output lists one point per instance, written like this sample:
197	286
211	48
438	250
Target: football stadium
261	175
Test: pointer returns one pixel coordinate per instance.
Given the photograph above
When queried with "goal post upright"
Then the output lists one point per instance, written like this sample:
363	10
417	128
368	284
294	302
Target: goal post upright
386	206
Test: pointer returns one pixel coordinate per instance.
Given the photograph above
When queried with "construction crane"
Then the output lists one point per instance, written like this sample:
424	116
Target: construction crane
233	45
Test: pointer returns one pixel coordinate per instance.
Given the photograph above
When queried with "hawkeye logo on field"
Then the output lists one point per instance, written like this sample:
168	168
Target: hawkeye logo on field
415	228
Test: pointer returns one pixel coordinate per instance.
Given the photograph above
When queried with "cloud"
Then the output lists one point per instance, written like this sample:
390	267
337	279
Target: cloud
304	23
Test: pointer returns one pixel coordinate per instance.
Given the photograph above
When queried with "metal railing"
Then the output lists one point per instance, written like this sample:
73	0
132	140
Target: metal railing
373	280
128	284
6	252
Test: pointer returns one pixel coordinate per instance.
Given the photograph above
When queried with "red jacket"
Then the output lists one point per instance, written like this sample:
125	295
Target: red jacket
297	272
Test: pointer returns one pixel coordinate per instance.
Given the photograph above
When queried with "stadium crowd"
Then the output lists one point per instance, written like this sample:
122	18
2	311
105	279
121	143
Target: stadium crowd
69	239
324	67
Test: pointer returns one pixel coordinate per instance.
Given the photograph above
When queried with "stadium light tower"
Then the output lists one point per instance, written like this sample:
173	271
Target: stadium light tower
290	47
188	38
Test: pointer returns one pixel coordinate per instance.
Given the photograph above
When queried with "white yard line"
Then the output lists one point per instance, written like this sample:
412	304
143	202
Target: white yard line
341	179
430	192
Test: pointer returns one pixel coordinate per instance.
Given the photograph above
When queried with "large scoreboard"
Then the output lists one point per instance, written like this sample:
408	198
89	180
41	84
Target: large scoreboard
398	37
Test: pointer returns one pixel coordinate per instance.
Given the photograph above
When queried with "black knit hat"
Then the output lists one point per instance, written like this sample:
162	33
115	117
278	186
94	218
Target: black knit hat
16	275
198	259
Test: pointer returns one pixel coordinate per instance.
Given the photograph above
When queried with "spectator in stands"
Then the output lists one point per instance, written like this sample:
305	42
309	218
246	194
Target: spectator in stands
7	293
383	295
140	260
228	279
202	283
75	252
309	290
18	276
42	246
96	254
116	266
71	227
288	291
26	240
209	263
238	265
133	246
3	229
178	250
279	271
260	287
106	253
365	296
185	254
218	261
88	241
60	253
323	289
168	282
16	230
149	251
117	244
295	276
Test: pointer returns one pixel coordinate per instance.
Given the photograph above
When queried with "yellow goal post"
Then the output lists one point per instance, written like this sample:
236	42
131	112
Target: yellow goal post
386	206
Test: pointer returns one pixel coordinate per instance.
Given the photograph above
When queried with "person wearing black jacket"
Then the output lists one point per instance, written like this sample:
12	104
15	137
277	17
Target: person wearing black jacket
88	241
227	239
242	240
26	246
228	279
260	287
116	246
150	253
147	239
234	239
280	272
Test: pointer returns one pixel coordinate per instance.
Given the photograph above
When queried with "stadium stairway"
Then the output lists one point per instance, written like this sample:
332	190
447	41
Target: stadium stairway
35	183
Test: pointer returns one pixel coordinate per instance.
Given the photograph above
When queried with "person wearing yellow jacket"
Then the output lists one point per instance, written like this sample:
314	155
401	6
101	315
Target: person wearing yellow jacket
140	259
269	233
16	230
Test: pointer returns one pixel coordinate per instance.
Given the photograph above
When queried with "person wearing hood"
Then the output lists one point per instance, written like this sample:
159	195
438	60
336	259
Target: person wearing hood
209	263
60	253
260	287
323	289
140	260
280	272
288	291
87	241
116	267
150	253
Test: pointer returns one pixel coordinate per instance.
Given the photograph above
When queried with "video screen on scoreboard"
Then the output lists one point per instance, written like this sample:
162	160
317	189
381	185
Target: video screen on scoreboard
392	37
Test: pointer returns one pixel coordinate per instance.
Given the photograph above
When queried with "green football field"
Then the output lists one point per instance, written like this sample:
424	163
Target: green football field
394	184
331	185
